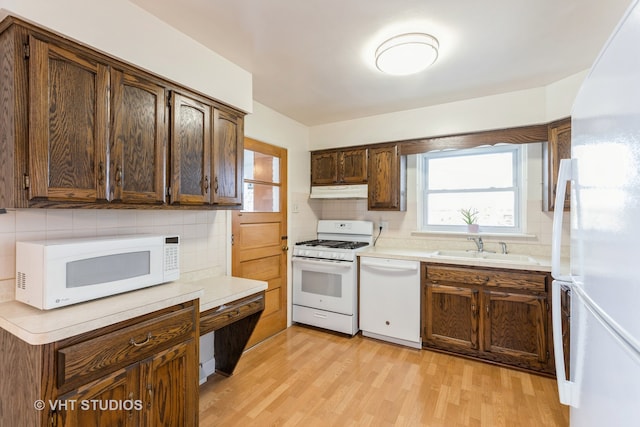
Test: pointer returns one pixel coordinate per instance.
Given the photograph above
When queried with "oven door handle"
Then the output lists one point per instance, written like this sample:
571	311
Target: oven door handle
322	263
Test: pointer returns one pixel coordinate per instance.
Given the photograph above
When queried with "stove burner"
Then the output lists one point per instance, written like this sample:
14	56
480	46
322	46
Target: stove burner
336	244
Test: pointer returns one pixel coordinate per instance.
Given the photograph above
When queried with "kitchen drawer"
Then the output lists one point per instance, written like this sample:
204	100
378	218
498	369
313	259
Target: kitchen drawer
226	314
97	356
533	282
469	276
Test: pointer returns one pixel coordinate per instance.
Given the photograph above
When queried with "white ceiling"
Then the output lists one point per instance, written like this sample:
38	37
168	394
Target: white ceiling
312	60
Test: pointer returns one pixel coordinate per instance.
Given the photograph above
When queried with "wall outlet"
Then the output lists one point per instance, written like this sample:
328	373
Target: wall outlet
384	225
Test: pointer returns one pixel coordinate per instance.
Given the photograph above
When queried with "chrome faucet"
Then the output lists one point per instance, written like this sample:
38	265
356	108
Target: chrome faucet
478	241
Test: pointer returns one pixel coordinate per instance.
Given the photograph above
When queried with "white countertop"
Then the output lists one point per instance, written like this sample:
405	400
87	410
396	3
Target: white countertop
38	327
543	264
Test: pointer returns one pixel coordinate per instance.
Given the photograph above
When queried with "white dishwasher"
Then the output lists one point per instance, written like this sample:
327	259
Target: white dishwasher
390	300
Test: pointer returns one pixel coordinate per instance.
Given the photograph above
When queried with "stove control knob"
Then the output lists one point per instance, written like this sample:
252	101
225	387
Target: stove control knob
342	256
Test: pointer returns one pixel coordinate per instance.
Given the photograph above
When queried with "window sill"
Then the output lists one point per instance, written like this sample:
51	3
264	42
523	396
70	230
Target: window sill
480	234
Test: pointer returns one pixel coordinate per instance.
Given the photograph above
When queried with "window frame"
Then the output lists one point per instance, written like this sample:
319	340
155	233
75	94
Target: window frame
519	159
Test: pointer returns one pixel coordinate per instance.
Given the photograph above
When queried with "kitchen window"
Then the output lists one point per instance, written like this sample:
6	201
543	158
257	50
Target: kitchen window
487	180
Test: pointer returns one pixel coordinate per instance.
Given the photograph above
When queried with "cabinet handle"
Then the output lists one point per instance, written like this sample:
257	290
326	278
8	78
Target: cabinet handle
140	344
473	308
101	173
487	308
150	392
233	313
206	184
118	176
215	185
131	402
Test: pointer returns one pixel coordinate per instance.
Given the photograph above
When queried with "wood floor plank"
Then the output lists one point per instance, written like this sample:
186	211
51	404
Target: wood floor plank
309	377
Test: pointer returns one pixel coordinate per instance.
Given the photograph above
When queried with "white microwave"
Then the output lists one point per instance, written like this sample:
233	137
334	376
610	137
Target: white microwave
56	273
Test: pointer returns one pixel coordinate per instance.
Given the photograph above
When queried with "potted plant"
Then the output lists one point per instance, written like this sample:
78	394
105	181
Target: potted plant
470	217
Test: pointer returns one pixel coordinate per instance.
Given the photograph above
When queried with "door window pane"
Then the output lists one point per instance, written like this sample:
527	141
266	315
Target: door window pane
261	197
261	167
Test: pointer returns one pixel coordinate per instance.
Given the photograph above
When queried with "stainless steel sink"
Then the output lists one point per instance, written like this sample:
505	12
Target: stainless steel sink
489	256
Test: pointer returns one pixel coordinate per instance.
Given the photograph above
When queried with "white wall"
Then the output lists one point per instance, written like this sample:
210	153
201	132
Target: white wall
126	31
526	107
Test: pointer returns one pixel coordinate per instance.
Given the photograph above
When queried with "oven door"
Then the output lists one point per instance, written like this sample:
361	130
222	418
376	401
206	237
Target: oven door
325	284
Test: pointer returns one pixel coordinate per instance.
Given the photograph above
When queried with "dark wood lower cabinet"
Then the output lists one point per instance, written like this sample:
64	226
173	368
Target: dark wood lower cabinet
496	315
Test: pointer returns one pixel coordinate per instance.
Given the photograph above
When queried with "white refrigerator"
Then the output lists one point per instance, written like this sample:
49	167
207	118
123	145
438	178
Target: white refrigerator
603	388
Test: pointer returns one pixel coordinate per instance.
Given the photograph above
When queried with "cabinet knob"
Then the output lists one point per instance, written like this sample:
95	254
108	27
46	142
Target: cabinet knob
118	176
387	322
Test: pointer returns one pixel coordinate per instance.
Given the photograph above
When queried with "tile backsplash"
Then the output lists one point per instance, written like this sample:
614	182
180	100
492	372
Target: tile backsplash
203	234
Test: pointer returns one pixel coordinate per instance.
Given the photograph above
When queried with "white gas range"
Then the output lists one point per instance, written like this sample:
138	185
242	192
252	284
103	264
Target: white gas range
325	275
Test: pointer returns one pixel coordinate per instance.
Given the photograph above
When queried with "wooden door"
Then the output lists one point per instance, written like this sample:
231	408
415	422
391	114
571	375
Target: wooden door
227	158
68	122
260	232
386	178
138	145
170	387
85	406
515	328
324	168
353	166
451	317
190	151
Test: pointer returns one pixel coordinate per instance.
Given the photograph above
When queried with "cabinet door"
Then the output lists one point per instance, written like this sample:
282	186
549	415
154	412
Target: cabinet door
386	181
352	166
137	165
68	120
110	401
170	383
451	317
227	158
515	328
190	151
557	148
324	168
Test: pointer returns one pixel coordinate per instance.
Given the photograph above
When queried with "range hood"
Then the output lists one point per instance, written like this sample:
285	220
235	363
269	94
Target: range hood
359	191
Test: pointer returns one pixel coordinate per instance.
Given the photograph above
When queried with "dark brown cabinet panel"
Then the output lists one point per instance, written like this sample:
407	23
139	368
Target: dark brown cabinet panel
348	166
387	178
515	328
68	117
138	141
451	316
82	407
190	151
557	148
501	316
227	161
324	168
353	166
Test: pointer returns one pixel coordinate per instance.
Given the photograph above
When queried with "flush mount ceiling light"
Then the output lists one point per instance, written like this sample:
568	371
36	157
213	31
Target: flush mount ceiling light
407	53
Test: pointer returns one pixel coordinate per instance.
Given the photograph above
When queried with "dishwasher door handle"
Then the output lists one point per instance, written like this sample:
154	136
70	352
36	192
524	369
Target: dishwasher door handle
394	267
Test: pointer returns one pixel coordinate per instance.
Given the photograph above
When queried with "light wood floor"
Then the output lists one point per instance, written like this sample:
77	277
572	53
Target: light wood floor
309	377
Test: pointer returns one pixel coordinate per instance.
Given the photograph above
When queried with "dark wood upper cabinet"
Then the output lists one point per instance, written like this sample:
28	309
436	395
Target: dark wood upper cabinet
190	151
557	147
79	128
387	178
227	161
352	165
138	140
324	168
333	167
68	124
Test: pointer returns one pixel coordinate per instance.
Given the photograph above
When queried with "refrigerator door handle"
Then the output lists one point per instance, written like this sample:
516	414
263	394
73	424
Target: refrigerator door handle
564	176
565	386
